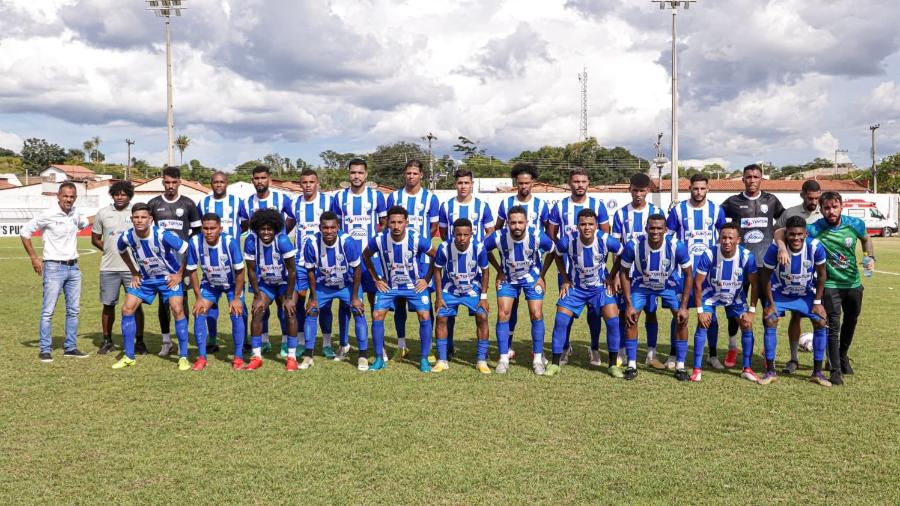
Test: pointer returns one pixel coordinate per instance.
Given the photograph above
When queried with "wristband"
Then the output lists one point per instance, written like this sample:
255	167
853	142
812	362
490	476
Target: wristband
752	309
817	302
700	310
484	296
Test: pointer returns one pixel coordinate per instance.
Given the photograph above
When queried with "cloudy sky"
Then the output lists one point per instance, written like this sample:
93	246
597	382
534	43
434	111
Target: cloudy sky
775	80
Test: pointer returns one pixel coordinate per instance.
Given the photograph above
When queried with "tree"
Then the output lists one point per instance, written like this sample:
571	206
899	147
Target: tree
182	142
467	148
95	154
604	165
38	154
387	161
334	160
275	163
303	165
75	154
7	152
88	146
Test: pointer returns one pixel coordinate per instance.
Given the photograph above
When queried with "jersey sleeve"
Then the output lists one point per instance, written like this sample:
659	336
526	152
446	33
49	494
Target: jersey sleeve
250	248
389	202
490	242
309	255
613	245
440	260
672	222
814	229
546	243
819	254
433	209
287	207
285	246
423	245
682	256
859	227
487	216
382	205
628	255
778	208
354	258
770	259
237	258
372	245
193	214
750	266
720	219
501	212
482	257
703	263
121	244
242	211
174	242
97	227
545	213
554	214
192	256
336	206
618	228
443	219
562	245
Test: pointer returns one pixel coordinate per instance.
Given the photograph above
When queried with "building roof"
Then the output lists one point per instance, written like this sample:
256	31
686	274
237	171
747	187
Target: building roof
4	184
539	187
194	185
75	171
769	185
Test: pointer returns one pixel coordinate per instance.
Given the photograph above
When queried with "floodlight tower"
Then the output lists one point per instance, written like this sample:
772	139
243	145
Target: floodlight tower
165	9
874	127
582	78
674	5
660	160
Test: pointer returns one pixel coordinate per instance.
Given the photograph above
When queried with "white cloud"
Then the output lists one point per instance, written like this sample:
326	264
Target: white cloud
11	141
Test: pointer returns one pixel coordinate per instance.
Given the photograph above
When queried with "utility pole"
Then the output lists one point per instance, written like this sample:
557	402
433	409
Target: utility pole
430	137
582	78
659	161
836	151
874	127
130	142
165	9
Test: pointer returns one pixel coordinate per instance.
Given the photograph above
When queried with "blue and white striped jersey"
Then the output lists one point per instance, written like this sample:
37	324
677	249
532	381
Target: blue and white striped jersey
270	258
725	277
477	211
156	255
275	200
629	223
359	214
658	269
230	209
333	264
307	216
565	214
536	211
461	271
698	228
798	279
423	209
586	264
399	259
521	260
217	263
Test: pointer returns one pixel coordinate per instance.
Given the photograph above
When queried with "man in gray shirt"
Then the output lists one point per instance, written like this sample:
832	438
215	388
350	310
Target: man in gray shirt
111	222
809	211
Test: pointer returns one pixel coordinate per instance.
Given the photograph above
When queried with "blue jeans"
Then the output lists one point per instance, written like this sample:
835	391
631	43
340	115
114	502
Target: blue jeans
60	278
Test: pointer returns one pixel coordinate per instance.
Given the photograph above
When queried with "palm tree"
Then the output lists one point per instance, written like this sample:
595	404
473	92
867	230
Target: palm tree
182	142
95	153
88	146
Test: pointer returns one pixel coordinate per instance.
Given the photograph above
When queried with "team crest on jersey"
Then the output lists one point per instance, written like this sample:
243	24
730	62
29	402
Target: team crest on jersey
807	264
179	212
848	242
764	208
707	221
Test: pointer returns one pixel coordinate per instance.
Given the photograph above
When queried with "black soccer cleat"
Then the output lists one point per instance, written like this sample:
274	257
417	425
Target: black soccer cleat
106	347
682	375
630	373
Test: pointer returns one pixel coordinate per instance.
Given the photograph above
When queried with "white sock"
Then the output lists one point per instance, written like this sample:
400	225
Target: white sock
732	342
292	352
326	340
651	353
504	357
401	342
795	345
632	364
257	352
166	338
265	338
538	358
679	365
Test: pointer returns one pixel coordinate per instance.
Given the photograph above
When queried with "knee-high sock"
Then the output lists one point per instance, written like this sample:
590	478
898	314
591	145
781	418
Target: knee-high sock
503	337
425	332
451	326
537	336
673	328
566	344
326	320
129	327
200	335
713	335
482	349
513	319
699	343
631	346
400	319
256	345
442	348
652	334
238	332
292	346
595	323
362	333
181	331
344	325
770	342
378	337
309	332
561	325
681	348
613	337
212	325
747	346
820	344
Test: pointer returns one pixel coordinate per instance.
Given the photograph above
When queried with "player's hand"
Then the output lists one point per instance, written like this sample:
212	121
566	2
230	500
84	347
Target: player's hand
237	307
38	265
682	316
784	256
258	305
819	310
311	304
630	316
357	304
421	285
501	278
290	307
439	303
199	308
135	281
483	303
770	313
612	285
564	288
173	280
747	318
381	285
704	319
542	285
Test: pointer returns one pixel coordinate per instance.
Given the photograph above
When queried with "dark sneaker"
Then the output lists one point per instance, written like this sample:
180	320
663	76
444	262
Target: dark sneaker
682	375
212	348
790	367
845	365
140	348
630	373
45	357
75	353
836	378
105	348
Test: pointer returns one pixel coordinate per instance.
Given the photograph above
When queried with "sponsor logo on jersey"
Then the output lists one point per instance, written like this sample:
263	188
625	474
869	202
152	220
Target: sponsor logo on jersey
753	237
761	222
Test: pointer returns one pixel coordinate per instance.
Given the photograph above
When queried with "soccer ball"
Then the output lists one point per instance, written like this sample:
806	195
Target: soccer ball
806	342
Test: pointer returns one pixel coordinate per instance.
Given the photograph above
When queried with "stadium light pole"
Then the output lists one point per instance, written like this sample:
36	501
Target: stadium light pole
165	9
874	127
674	5
130	142
836	151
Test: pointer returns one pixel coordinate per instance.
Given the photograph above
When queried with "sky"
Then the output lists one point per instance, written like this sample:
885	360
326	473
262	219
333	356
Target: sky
779	80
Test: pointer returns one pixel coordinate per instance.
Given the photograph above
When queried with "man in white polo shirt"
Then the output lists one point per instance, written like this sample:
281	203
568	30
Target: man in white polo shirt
59	227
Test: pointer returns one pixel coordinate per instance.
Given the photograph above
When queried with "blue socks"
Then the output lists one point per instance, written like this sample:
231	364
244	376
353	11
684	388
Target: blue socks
425	332
200	330
378	337
820	343
503	337
238	332
631	346
482	349
400	318
129	328
212	325
681	348
652	333
537	336
362	333
699	344
442	349
181	331
292	342
770	342
747	346
613	336
561	326
256	342
309	332
595	323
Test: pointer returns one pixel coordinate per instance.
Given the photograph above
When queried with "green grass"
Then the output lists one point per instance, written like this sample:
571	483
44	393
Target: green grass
76	432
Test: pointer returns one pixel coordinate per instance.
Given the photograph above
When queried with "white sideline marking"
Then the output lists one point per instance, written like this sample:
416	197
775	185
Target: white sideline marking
82	251
886	272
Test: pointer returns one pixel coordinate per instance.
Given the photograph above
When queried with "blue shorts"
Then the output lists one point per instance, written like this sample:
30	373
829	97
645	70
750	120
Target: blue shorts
325	295
415	301
273	291
302	283
532	292
454	301
801	305
641	299
367	282
652	306
213	293
151	286
576	299
733	310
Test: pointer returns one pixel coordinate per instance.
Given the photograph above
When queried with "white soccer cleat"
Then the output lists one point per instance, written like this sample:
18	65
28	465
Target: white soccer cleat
342	353
566	355
715	363
306	364
670	363
594	356
362	364
538	368
502	367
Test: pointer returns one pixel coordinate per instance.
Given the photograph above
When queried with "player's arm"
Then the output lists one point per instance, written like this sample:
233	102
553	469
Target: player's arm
438	286
702	317
764	281
195	287
36	223
754	297
97	240
433	230
289	304
868	246
256	306
683	315
174	243
311	301
784	256
821	277
355	301
237	306
194	218
625	282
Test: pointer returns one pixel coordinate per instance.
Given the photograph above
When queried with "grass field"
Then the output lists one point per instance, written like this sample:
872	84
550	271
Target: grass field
76	432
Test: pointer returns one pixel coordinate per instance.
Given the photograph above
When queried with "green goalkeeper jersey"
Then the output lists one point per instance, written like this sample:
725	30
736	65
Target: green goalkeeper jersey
840	246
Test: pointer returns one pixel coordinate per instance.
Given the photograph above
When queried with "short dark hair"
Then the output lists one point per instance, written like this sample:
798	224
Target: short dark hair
829	195
122	187
67	184
656	217
328	216
795	221
517	210
218	173
811	185
578	171
261	168
523	168
462	222
140	206
732	225
171	172
398	210
639	180
357	161
753	166
413	163
267	216
463	173
587	212
211	217
699	177
309	172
